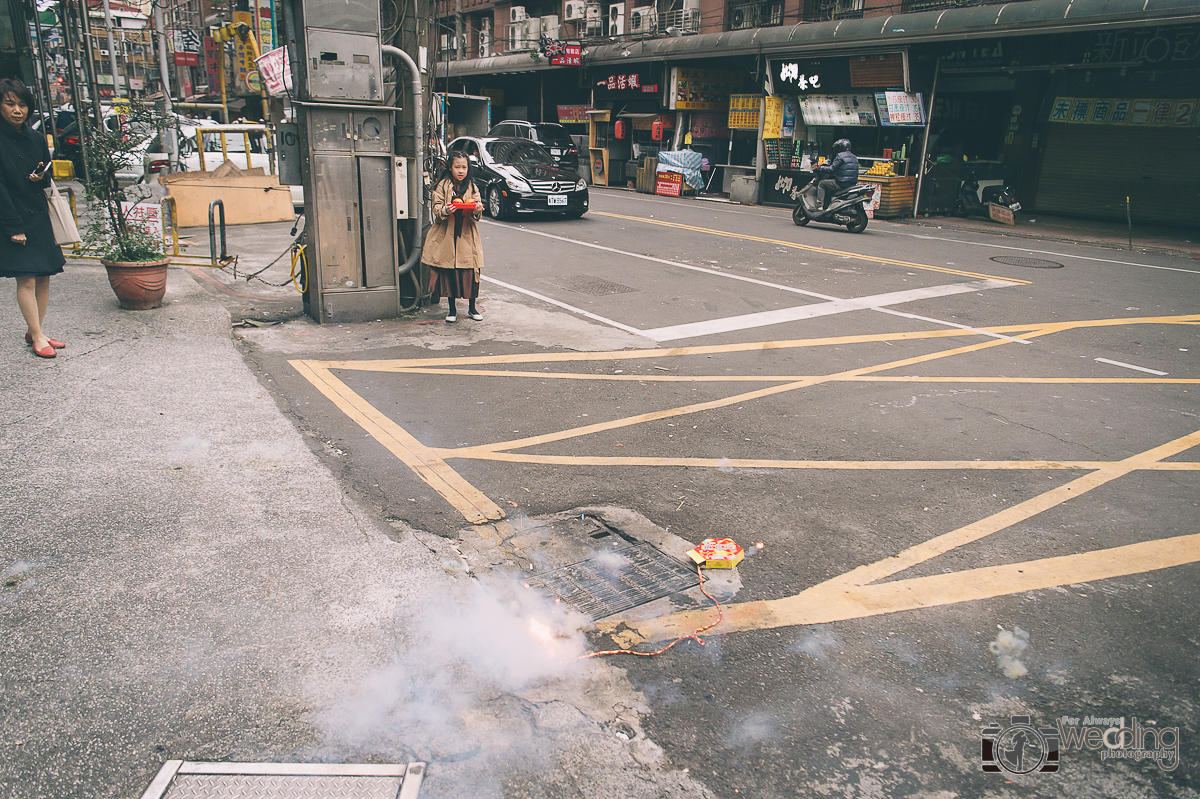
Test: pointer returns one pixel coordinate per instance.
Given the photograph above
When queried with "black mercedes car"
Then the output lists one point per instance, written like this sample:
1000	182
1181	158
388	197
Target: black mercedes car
515	175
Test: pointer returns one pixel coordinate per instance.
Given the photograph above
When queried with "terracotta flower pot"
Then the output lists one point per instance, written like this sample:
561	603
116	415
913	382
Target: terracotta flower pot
139	285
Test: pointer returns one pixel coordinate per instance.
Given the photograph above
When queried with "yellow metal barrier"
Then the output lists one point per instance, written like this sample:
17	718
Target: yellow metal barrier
245	130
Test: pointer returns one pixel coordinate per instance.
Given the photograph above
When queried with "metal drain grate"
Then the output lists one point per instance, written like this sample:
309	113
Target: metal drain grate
592	286
178	779
615	580
1033	263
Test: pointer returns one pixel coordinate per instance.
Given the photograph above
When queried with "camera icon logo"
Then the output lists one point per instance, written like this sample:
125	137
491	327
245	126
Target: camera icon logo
1019	748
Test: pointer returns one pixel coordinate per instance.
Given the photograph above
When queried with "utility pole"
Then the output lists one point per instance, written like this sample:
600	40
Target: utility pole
459	48
68	27
171	141
112	51
45	77
93	84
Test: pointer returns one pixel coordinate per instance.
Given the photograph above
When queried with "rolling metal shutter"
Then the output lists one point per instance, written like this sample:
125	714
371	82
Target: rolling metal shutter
1089	170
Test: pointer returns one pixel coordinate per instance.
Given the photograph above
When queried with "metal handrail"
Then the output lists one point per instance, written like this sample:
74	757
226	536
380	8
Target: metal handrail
245	130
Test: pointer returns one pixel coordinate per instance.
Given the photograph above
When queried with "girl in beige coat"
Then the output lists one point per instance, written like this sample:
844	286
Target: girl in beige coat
452	249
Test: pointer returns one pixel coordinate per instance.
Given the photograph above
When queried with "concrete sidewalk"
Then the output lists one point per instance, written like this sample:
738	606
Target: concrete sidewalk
181	577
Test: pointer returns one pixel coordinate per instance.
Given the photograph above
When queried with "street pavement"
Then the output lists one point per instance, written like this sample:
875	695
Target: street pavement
213	550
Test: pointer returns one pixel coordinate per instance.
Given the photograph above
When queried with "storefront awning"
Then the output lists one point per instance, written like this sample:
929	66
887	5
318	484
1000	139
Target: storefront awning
1030	17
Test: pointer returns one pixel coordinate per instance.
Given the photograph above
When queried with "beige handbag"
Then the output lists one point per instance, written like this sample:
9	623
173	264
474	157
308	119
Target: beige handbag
62	221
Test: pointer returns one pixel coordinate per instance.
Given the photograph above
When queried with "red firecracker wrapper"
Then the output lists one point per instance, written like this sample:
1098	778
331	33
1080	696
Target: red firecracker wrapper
717	553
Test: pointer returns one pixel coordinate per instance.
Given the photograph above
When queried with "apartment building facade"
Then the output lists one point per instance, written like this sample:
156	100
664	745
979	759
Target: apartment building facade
1059	98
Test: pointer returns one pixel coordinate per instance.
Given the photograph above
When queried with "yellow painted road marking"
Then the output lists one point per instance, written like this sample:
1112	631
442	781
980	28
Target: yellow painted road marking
766	463
614	424
651	377
811	248
826	602
852	593
397	364
467	499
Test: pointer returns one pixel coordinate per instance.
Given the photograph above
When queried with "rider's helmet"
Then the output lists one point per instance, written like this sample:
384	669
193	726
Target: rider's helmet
841	146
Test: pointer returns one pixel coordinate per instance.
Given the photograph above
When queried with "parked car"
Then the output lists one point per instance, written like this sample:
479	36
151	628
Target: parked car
552	136
516	175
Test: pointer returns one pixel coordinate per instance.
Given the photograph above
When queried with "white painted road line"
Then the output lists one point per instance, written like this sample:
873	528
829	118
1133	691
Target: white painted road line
763	318
845	305
563	305
678	264
1131	366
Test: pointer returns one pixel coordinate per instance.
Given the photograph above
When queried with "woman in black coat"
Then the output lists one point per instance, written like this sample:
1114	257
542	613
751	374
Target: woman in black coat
28	251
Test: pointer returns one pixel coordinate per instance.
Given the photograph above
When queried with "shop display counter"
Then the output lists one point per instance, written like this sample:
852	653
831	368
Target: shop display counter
896	195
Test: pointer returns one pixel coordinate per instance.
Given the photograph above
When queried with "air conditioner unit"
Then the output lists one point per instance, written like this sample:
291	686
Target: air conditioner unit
532	32
643	20
592	12
573	11
690	22
104	52
744	16
485	38
550	26
516	37
616	20
516	14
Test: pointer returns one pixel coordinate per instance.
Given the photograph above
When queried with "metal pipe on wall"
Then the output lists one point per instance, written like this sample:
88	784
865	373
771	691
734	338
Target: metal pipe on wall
415	184
171	142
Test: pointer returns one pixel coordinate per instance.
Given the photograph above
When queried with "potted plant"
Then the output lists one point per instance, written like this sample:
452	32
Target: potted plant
132	254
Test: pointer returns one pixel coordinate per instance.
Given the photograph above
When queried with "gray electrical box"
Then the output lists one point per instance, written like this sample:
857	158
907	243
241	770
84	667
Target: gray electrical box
291	154
348	162
344	67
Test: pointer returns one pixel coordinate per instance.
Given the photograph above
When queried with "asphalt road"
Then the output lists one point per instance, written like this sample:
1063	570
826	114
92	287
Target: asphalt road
933	448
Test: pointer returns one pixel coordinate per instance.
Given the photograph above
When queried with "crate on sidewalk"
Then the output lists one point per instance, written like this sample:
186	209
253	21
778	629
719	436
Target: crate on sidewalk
647	175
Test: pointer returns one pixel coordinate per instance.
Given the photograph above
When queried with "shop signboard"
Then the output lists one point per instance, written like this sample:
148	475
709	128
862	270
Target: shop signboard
562	54
1133	112
701	89
274	71
789	119
186	47
798	77
212	56
900	108
146	215
838	109
744	110
772	117
668	184
628	82
573	113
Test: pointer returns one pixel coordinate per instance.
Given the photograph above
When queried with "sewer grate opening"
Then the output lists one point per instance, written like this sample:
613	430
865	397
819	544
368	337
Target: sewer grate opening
1032	263
591	286
181	779
617	579
242	786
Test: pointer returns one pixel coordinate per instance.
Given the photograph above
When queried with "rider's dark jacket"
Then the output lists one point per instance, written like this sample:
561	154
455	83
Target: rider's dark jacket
843	169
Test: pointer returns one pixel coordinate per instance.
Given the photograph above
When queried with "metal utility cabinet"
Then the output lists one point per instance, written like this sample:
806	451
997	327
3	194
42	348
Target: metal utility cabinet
351	170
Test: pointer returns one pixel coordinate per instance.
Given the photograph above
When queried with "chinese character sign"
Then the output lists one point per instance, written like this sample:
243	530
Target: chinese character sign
562	54
900	108
621	83
1162	113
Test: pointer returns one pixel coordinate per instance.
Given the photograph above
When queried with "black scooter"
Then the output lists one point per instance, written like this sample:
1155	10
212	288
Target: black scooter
973	201
846	207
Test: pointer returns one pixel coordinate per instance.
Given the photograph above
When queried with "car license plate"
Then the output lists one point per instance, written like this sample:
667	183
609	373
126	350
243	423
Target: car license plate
1015	206
555	151
556	199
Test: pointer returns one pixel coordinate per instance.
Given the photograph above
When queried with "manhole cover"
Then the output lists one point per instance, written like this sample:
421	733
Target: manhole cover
1033	263
178	779
592	286
617	579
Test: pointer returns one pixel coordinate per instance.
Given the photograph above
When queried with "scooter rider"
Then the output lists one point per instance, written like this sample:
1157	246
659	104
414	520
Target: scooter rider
840	173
